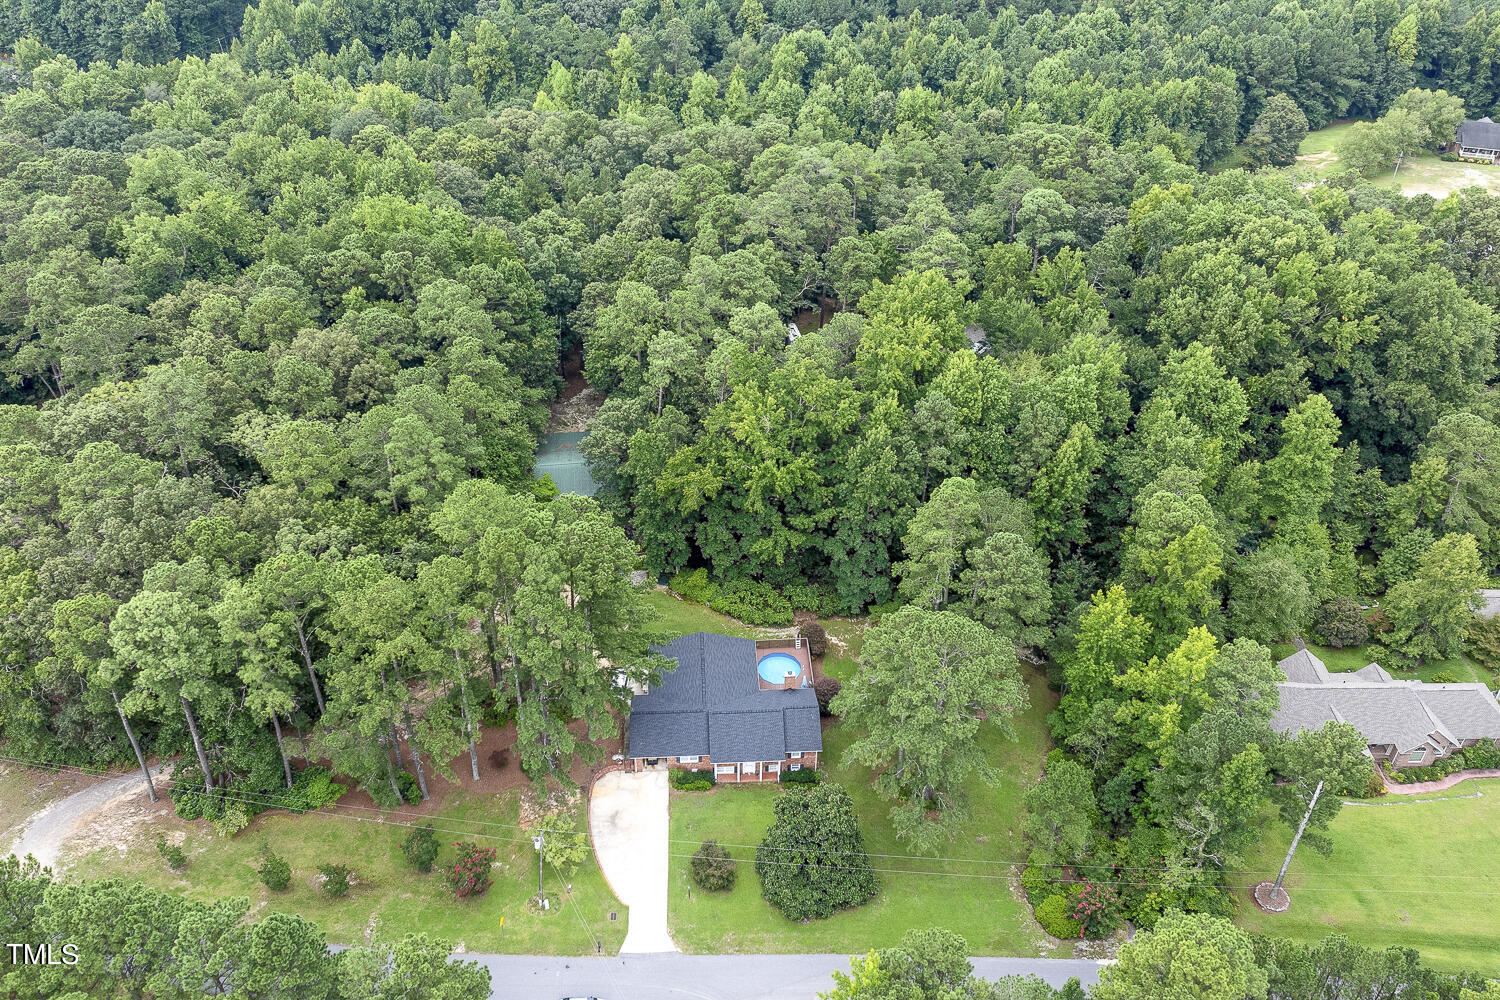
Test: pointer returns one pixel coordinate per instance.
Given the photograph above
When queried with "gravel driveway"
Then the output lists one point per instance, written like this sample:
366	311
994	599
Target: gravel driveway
628	822
46	832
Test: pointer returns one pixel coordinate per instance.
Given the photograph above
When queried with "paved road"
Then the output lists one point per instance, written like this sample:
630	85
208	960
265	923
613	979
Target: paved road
715	977
48	830
628	821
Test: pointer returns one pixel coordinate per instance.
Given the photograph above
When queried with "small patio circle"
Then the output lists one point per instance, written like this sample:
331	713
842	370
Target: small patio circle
776	668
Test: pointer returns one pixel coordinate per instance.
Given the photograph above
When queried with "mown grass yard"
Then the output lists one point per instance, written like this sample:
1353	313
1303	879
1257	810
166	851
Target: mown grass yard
972	897
681	617
1416	874
389	898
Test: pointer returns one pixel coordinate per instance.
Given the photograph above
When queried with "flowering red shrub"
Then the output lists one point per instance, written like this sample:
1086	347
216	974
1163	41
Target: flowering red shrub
1096	908
470	874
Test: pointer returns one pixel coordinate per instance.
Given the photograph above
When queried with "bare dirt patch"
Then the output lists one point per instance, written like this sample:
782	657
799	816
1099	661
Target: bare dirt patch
573	410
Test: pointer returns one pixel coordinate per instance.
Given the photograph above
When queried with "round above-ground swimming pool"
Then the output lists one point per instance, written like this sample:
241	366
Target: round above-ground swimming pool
775	668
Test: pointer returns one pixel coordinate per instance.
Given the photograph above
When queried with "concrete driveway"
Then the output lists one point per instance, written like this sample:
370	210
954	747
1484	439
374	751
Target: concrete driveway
628	822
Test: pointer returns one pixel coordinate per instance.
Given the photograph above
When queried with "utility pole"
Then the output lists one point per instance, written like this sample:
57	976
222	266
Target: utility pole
1281	877
539	841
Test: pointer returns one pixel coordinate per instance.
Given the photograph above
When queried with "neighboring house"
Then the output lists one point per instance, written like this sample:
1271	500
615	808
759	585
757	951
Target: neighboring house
1478	140
978	339
1409	723
1491	600
745	708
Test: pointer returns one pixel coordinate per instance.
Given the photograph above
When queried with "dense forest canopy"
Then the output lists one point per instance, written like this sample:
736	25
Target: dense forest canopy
283	300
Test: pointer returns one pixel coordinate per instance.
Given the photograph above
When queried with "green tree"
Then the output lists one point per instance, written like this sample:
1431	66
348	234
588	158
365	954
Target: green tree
1277	133
1430	612
1060	809
416	965
1185	957
1269	598
925	682
812	861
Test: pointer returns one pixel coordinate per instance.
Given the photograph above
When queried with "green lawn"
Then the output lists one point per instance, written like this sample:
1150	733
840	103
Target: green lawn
1325	139
681	617
1354	657
1402	872
390	898
982	909
845	639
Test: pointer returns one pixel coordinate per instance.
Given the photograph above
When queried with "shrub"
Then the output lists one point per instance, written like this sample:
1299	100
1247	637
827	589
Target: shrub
712	868
817	638
1375	787
693	781
753	603
825	688
1037	883
819	598
1054	918
470	874
313	788
694	586
806	776
421	848
812	862
274	872
1444	677
335	880
173	854
234	818
411	792
1483	755
1341	622
1097	909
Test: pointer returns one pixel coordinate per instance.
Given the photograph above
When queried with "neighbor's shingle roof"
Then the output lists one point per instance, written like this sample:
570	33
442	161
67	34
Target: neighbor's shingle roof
1304	668
1481	134
1404	714
1491	603
711	704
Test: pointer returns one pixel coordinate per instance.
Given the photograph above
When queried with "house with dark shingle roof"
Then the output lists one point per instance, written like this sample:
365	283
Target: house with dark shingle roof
1477	140
1409	723
714	709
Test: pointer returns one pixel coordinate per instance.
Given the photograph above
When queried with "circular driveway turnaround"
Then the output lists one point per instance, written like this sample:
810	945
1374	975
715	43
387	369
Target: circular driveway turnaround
628	823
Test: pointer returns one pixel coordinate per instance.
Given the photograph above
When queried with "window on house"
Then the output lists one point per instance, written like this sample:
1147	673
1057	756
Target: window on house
795	756
795	767
1416	756
688	760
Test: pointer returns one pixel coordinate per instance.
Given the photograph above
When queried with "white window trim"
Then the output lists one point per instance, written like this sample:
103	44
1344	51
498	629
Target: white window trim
688	760
748	767
795	767
795	756
726	769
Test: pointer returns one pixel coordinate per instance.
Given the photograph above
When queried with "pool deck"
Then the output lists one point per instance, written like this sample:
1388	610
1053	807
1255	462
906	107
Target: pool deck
795	648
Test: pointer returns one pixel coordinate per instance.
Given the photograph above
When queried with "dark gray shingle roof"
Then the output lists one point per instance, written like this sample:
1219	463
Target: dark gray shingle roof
1401	713
1481	134
711	703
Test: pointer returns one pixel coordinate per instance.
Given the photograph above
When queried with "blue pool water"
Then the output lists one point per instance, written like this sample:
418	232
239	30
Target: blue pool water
777	667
